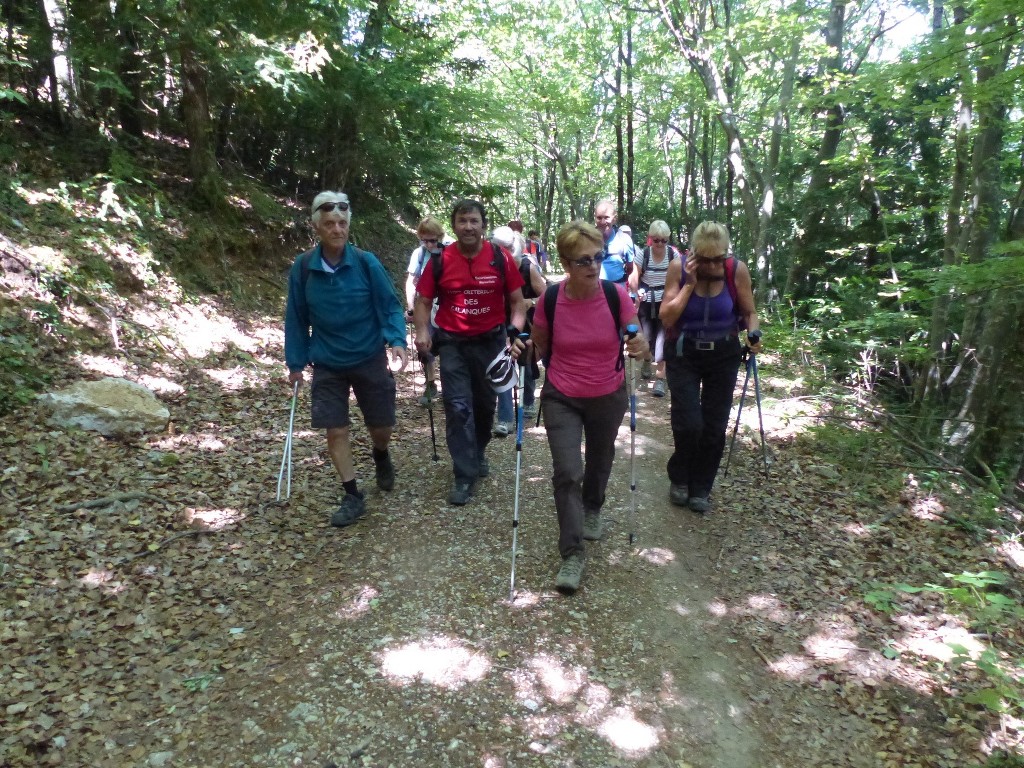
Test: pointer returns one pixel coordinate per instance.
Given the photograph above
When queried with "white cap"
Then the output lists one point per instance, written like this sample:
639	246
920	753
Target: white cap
505	237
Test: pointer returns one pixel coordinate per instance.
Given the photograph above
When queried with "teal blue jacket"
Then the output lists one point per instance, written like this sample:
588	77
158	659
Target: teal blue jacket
340	319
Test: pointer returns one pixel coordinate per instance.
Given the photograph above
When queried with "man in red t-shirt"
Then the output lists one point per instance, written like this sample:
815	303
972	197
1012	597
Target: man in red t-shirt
472	293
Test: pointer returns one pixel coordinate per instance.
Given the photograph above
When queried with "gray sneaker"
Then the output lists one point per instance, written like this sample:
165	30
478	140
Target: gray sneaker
385	472
593	528
659	388
569	575
461	494
700	504
351	509
502	428
429	394
678	494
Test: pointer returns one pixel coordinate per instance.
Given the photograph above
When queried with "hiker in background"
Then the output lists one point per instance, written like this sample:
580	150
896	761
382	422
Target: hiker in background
618	245
648	283
535	248
342	310
507	238
708	300
430	231
473	282
579	331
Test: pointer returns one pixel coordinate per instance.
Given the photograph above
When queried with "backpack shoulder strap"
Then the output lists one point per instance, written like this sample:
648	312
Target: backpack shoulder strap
611	295
499	260
730	278
437	267
304	261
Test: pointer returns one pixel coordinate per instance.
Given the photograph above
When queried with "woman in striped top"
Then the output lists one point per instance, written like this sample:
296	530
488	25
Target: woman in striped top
648	283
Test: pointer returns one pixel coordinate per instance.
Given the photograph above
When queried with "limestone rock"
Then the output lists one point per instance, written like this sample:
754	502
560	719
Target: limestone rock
111	406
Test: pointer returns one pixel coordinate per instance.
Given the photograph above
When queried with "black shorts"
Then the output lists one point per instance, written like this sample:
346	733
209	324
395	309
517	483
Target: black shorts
373	384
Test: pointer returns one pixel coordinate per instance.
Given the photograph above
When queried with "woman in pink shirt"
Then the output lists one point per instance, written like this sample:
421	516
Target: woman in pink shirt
584	392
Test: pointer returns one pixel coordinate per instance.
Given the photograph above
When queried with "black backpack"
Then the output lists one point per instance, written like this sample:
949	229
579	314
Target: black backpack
437	264
611	295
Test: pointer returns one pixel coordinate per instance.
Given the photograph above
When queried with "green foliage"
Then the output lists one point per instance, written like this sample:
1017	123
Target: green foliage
22	370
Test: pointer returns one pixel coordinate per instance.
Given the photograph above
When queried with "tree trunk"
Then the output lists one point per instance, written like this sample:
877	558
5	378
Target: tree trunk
195	110
629	113
131	65
620	148
57	64
807	251
930	385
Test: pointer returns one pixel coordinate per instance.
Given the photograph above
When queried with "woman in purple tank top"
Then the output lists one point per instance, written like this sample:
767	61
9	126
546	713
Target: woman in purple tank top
707	301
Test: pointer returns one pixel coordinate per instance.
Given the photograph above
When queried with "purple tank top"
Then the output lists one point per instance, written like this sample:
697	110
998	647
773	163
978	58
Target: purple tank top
709	318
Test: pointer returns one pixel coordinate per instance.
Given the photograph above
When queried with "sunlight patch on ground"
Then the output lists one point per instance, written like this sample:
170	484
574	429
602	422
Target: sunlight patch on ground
108	366
203	442
857	530
628	734
681	609
359	604
934	641
524	598
234	379
1012	552
657	555
197	329
768	607
161	385
212	519
717	608
440	661
830	647
791	666
559	684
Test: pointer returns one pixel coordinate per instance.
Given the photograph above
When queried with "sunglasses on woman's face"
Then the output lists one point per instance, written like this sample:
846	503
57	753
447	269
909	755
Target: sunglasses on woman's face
328	207
659	240
587	261
428	240
711	259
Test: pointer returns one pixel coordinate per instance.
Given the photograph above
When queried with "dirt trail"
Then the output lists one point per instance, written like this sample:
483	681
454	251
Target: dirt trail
716	642
404	650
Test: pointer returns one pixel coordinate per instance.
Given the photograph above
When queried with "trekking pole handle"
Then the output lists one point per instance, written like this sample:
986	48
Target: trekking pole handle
754	336
513	333
631	331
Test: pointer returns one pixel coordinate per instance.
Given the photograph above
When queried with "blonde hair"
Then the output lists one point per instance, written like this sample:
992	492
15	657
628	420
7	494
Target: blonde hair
710	235
576	235
659	228
430	227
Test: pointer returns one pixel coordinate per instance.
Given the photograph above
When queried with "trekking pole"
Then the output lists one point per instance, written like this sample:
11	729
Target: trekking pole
760	421
631	331
517	395
286	459
430	415
747	358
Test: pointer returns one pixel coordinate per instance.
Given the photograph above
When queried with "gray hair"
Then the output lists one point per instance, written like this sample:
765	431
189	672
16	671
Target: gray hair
328	196
659	228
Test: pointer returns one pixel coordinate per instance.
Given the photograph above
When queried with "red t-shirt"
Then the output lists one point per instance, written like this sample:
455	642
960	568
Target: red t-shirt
471	297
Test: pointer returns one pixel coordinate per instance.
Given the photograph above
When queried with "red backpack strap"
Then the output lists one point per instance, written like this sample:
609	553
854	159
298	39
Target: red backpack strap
730	279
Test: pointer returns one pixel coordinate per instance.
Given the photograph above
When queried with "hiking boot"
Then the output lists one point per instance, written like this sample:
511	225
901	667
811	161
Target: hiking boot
569	575
385	471
429	395
659	388
502	428
678	494
645	370
351	509
461	494
484	467
530	412
700	504
593	529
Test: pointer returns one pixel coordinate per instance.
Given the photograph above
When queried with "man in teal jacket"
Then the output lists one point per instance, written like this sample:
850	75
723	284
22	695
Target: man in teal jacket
342	313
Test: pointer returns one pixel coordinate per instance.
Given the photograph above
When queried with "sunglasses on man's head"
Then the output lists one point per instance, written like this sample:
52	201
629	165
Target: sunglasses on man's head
711	259
659	240
587	261
328	207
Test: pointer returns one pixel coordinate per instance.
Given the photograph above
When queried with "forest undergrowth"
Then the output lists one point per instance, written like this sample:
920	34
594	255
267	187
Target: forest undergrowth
859	595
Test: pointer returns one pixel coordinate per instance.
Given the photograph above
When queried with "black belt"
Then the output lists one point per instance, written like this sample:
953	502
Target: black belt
704	345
